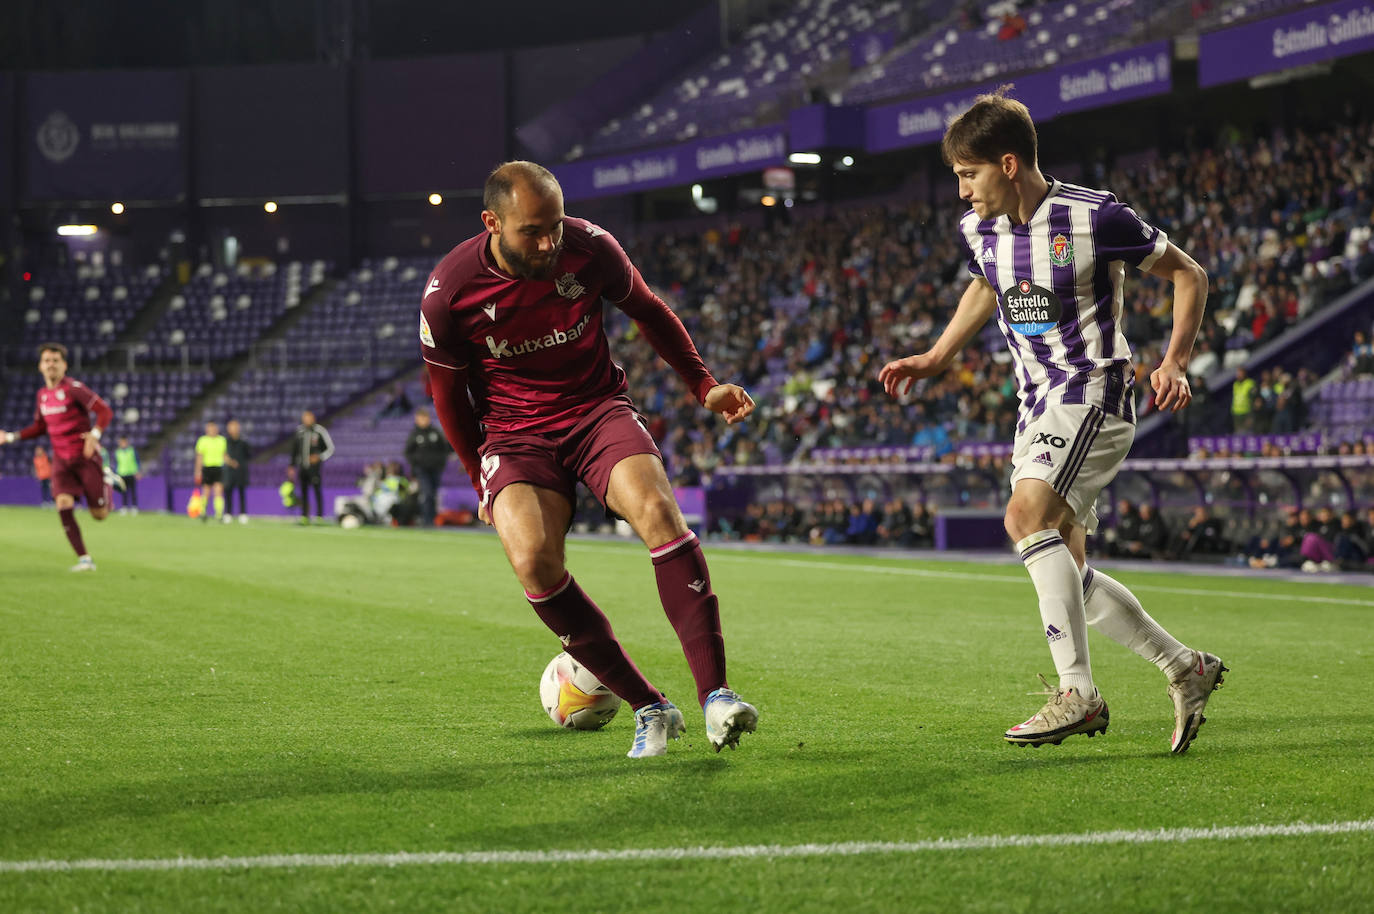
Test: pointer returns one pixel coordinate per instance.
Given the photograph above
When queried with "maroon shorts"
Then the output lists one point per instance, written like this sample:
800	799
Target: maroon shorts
588	451
83	476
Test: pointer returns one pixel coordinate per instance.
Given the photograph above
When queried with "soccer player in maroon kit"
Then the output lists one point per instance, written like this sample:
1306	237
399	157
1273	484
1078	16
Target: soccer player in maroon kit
63	413
512	318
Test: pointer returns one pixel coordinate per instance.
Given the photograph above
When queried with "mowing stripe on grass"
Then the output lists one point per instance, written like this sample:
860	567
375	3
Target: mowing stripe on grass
846	849
1021	580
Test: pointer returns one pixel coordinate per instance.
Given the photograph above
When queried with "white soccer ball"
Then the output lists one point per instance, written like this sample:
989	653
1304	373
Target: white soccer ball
350	522
573	697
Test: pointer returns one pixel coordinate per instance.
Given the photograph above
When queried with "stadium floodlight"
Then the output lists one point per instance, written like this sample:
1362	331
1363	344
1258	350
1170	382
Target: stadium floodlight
117	208
768	200
847	161
805	158
436	199
697	191
70	230
270	206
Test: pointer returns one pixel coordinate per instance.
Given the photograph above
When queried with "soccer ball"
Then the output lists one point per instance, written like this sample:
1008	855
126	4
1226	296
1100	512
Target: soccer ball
574	697
350	522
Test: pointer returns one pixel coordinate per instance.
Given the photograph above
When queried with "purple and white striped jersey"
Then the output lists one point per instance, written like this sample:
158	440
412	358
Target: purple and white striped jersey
1058	280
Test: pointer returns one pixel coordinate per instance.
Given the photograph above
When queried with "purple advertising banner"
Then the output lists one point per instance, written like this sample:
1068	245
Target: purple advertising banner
292	141
1318	33
117	134
6	141
430	125
713	157
1114	78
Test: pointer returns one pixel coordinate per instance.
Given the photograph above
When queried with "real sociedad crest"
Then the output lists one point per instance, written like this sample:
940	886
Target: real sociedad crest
568	286
1061	250
58	137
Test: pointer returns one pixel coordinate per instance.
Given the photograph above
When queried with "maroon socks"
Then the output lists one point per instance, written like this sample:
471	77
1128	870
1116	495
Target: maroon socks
684	586
72	530
586	634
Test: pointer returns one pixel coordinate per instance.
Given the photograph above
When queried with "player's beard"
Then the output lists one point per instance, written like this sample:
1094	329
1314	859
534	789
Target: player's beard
524	268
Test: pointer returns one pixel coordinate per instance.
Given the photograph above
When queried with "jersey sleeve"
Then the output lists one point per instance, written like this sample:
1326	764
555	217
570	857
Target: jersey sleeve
93	403
975	269
439	344
1122	235
37	427
614	264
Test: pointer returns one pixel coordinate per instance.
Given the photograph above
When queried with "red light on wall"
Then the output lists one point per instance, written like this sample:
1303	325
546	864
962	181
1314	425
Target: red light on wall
27	276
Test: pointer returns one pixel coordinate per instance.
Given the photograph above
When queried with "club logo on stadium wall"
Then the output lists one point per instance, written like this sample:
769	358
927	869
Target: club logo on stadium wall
568	286
58	137
1061	250
1031	310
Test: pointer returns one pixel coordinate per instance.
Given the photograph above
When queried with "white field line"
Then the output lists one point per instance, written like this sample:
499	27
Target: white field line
744	852
982	578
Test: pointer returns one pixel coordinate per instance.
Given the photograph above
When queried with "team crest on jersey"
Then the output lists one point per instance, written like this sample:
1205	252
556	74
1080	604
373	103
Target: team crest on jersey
1061	250
61	395
425	336
568	286
1031	310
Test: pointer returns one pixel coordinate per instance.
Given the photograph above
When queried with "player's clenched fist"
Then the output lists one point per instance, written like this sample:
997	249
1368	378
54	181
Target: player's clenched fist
731	401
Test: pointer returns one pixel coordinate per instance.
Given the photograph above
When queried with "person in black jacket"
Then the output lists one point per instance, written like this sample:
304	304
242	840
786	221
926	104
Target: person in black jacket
236	458
311	446
427	452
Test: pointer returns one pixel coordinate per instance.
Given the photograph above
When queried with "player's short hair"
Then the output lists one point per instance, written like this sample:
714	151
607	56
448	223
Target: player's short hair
994	126
505	176
53	347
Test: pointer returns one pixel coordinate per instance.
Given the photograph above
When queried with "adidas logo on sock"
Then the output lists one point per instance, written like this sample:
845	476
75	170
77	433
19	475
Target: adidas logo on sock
1045	459
1053	634
698	585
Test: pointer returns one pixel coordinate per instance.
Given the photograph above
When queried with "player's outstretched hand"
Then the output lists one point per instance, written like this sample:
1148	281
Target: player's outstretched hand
898	375
89	445
1172	391
4	436
731	401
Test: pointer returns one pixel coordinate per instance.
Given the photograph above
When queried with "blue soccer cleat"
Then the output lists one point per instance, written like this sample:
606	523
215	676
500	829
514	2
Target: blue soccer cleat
655	724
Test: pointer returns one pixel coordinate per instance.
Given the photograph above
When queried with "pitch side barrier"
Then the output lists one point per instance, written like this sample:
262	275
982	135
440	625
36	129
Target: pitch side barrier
968	495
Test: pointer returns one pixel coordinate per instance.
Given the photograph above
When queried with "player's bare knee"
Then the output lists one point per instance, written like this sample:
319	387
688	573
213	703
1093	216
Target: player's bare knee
99	513
538	571
659	521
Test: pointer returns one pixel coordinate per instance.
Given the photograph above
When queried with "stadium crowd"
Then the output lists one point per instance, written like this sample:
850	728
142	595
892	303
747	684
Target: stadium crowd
804	310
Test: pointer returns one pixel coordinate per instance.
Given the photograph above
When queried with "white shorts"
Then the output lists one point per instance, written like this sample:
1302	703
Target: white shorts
1077	450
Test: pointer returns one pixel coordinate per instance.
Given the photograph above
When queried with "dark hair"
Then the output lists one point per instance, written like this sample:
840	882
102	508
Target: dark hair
505	176
53	347
994	126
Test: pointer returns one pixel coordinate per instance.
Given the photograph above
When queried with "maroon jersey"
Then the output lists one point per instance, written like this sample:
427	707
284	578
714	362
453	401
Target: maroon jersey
63	413
534	351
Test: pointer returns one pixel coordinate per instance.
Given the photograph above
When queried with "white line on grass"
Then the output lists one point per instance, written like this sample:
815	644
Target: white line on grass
981	578
845	849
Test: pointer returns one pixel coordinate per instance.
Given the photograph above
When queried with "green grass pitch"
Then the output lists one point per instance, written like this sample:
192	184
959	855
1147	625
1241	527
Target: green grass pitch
266	690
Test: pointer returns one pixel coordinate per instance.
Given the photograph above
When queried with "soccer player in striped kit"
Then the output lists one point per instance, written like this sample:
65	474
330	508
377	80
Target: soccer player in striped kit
1048	260
512	320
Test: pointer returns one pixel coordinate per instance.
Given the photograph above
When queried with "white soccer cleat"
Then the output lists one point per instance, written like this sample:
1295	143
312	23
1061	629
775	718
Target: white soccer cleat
1189	694
85	563
227	519
728	718
1065	714
112	479
243	518
655	724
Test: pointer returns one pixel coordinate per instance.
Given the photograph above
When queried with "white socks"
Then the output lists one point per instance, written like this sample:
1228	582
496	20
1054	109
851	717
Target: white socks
1115	612
1057	582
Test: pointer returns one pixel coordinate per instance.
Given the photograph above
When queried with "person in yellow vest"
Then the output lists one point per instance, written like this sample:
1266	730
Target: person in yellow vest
210	450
